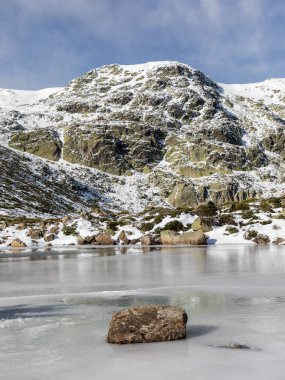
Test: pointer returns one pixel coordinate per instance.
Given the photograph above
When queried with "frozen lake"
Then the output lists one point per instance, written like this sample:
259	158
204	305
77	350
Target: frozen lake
55	308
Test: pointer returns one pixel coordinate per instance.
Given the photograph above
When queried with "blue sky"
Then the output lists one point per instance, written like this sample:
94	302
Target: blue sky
46	43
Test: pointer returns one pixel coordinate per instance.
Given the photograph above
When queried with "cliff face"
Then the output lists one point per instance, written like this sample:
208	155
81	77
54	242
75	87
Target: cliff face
125	137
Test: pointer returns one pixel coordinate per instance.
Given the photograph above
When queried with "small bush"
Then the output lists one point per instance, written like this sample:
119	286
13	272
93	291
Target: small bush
144	227
274	202
232	230
70	230
206	209
261	239
239	206
227	219
275	227
250	234
265	222
174	225
248	214
265	206
112	225
279	216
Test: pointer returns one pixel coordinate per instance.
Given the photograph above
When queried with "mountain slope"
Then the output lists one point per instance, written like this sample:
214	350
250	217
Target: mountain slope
127	137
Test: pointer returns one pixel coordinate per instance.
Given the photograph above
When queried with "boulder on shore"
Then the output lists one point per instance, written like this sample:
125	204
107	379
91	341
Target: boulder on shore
17	243
104	239
49	237
188	238
142	324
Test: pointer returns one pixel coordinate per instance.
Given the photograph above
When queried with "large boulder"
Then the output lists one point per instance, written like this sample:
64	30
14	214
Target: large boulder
142	324
187	238
104	239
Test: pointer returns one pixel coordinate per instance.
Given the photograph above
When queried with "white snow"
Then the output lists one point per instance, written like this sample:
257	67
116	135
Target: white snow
10	99
149	65
271	91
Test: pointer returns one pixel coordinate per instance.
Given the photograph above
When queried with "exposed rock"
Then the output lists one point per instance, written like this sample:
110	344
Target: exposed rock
3	225
143	324
147	240
49	237
153	239
17	243
201	224
54	230
123	237
65	219
35	233
41	142
81	240
104	239
87	240
114	148
188	238
21	226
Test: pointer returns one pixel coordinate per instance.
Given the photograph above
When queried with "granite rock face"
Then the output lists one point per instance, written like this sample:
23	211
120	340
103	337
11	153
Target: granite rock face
142	324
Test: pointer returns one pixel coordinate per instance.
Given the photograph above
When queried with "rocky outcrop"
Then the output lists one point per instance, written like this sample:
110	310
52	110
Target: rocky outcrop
114	148
187	238
41	142
142	324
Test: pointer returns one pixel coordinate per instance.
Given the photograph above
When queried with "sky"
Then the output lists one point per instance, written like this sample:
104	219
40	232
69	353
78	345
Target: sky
46	43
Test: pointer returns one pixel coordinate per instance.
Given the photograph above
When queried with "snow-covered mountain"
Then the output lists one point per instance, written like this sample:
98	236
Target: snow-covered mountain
127	137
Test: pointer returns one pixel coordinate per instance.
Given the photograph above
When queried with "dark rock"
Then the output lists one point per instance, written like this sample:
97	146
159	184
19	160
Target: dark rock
237	346
155	323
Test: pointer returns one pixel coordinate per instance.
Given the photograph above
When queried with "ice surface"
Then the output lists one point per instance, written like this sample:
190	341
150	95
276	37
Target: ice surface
55	310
